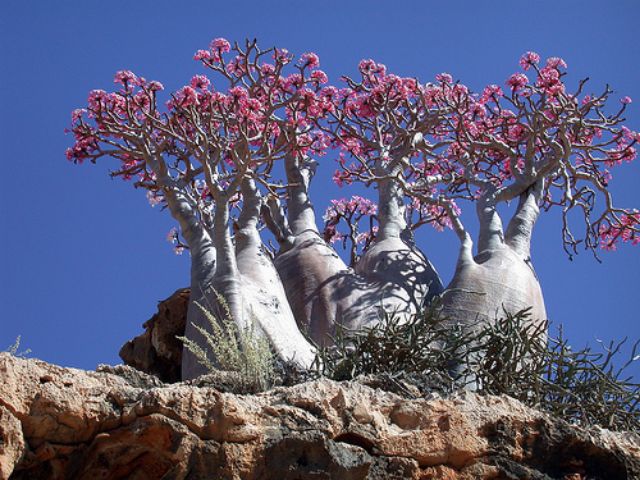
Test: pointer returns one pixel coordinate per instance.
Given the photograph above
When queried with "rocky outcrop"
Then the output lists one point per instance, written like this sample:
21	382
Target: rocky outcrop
119	423
157	351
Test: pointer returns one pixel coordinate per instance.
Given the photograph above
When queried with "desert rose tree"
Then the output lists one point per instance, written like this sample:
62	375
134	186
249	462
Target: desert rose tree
208	151
534	143
323	291
376	124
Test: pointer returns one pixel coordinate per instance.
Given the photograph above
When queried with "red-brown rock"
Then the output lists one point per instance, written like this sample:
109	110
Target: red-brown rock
117	423
157	351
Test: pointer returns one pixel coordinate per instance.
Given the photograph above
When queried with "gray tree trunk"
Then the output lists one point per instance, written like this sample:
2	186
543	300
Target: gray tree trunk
265	301
406	276
322	291
501	275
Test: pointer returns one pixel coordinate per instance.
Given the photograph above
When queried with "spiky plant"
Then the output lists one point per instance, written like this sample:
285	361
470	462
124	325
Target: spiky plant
233	349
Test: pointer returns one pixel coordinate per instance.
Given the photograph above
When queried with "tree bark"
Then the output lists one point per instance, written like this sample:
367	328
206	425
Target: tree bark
265	299
312	273
322	291
225	281
203	268
403	272
501	276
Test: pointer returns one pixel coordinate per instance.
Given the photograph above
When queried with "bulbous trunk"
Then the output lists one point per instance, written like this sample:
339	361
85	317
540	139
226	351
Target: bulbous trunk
311	274
481	290
501	276
249	284
322	291
402	271
495	279
225	280
265	301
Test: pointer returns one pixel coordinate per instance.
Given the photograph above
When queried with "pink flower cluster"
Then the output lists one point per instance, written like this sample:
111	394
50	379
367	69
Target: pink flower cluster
218	47
627	229
443	133
309	60
356	203
126	78
529	59
352	211
517	81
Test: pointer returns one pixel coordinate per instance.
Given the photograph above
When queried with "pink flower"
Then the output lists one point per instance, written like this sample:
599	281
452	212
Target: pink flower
282	56
202	55
293	80
220	45
77	114
237	66
309	60
125	77
549	79
200	82
238	93
529	59
515	132
477	110
96	99
368	66
444	78
340	178
556	62
186	97
626	100
142	100
155	86
319	76
517	81
267	69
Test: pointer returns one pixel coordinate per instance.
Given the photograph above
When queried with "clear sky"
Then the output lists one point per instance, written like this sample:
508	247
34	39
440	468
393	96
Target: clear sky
83	258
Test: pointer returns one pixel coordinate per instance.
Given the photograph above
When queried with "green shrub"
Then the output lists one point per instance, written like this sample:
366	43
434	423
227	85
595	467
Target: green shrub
232	349
511	356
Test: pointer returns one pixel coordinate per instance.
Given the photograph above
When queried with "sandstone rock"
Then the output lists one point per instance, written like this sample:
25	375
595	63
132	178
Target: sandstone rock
157	351
60	423
12	444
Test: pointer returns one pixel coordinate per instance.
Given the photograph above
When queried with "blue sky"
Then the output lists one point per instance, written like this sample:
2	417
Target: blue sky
83	258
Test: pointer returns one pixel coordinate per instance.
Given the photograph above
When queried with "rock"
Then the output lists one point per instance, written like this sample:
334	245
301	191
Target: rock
60	423
12	444
157	351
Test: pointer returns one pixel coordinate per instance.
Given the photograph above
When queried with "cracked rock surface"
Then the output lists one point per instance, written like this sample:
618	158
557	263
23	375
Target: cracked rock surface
64	423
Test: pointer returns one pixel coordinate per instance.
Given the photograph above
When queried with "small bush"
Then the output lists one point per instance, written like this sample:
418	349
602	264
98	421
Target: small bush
511	356
232	349
15	349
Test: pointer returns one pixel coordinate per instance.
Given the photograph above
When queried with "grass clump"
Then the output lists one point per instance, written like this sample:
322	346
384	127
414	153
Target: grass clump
230	348
15	349
511	356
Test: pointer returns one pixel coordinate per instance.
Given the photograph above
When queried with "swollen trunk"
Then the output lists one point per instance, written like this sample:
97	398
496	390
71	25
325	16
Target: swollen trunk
495	280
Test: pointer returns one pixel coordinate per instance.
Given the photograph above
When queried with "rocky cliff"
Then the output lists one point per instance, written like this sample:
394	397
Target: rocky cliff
117	423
